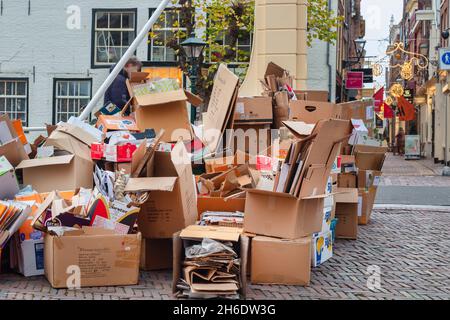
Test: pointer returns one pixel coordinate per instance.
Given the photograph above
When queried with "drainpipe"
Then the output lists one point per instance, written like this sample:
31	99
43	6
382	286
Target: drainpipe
330	67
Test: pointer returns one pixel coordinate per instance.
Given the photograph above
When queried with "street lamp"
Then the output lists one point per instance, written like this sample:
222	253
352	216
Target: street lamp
193	49
360	45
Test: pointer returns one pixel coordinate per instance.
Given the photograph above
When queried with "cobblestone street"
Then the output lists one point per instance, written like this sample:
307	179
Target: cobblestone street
410	247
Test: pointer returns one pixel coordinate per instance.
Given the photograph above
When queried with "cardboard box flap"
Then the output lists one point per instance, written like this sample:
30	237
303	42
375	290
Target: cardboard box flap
369	160
215	233
193	99
151	184
274	69
51	161
271	193
180	158
298	128
78	133
4	118
138	76
346	195
161	98
92	231
366	148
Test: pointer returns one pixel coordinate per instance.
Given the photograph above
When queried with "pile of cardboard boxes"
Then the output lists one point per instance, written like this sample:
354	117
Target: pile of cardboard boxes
122	195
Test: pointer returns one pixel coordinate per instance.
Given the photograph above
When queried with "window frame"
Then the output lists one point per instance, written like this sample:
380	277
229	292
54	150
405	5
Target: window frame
27	99
164	63
55	82
95	65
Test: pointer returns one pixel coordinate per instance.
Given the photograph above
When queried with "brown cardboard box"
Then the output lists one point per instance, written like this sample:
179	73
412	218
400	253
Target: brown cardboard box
346	180
165	110
171	205
312	111
156	254
367	200
205	204
278	214
65	172
368	179
252	139
255	110
104	258
347	213
197	233
10	145
278	261
355	109
369	157
312	95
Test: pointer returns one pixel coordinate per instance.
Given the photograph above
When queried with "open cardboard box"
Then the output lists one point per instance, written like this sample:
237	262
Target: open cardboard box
366	203
164	110
253	110
313	111
10	145
347	204
280	261
197	234
171	205
283	215
103	258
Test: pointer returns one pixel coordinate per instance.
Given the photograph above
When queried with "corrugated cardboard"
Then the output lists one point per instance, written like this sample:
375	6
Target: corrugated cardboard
368	179
104	258
312	111
346	180
321	248
9	186
107	123
312	95
220	114
156	254
10	145
172	199
215	233
347	213
253	139
165	110
67	172
369	160
255	110
218	204
366	203
278	261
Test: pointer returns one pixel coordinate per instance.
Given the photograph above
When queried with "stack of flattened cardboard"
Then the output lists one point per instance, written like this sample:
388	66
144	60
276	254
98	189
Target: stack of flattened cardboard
210	262
295	209
12	216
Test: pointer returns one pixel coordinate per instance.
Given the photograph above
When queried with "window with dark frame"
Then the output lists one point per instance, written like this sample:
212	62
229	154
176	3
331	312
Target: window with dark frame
113	32
14	98
168	26
70	97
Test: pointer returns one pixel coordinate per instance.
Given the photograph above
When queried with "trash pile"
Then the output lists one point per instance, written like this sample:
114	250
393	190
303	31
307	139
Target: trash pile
261	189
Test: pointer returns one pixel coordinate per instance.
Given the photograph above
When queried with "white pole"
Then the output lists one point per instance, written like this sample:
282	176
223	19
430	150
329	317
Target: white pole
127	55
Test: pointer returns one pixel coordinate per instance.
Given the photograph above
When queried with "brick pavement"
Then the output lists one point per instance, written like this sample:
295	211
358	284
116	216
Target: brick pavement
412	248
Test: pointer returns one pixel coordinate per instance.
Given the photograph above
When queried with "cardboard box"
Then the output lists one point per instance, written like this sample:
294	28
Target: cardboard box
10	145
368	179
252	139
103	258
279	214
9	186
156	254
31	258
346	180
107	123
312	111
164	110
197	233
255	110
67	172
279	261
321	248
347	213
171	205
205	204
312	95
328	216
366	202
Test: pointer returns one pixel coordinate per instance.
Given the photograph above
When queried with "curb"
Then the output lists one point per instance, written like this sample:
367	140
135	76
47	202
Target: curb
411	207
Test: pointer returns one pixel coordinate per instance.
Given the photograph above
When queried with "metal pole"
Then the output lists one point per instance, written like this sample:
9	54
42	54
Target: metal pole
127	55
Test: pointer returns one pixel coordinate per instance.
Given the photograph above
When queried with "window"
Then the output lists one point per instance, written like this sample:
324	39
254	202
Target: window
169	26
70	96
114	31
14	99
243	46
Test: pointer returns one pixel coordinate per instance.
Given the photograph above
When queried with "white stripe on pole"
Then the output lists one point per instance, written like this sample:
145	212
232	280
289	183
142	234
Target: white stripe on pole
127	55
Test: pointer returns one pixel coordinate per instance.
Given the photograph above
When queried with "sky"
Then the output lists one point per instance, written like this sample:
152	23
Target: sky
377	14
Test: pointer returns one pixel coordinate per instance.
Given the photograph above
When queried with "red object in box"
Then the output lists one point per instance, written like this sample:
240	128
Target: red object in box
97	151
264	163
125	152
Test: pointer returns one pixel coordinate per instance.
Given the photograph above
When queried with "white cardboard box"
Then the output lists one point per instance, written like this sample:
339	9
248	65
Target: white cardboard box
31	258
321	248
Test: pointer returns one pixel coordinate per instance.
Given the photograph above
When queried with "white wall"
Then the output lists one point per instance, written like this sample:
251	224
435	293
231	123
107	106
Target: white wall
43	41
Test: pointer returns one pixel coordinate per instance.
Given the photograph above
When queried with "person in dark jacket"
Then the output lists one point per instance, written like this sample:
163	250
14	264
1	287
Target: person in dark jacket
117	93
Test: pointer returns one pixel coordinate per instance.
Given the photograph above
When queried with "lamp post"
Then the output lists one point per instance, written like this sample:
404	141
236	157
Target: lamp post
193	49
360	45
